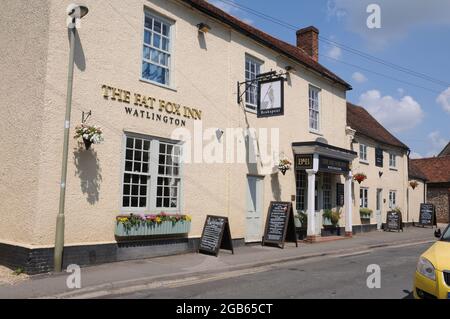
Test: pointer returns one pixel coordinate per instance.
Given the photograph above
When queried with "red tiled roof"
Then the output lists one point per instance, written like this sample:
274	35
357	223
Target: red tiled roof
360	120
282	47
436	169
414	171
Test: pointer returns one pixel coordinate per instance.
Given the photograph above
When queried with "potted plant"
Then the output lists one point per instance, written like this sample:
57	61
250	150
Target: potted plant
301	220
365	213
89	134
284	165
326	216
413	184
150	225
331	222
360	177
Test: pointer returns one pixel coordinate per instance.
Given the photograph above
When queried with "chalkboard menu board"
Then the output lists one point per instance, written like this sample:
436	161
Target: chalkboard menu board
394	221
427	216
280	225
216	235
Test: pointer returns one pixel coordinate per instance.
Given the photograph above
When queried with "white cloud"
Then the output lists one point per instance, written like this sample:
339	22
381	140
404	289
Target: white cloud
230	9
334	52
436	143
398	18
444	100
358	77
396	115
415	155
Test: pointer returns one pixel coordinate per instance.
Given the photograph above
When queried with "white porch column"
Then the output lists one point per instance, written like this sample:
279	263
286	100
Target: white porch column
311	232
311	205
348	203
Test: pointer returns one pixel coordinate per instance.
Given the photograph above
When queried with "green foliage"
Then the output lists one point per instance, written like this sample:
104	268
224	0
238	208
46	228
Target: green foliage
365	211
19	271
303	217
332	215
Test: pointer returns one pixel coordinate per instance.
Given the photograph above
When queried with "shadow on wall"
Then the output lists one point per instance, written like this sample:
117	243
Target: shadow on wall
79	57
276	188
89	171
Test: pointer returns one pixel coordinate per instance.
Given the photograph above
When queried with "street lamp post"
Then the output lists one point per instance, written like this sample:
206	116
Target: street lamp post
77	12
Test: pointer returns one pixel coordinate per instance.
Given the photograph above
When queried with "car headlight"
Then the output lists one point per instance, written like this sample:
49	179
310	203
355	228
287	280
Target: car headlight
426	268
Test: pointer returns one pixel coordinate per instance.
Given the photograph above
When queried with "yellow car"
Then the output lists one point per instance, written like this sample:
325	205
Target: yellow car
432	278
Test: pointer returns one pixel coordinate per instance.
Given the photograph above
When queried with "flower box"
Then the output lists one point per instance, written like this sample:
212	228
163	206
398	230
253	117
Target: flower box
165	228
152	225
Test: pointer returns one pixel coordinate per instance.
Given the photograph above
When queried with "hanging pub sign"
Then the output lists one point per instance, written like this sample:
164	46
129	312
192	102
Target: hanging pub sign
427	216
304	161
379	157
271	97
280	225
394	221
333	165
216	235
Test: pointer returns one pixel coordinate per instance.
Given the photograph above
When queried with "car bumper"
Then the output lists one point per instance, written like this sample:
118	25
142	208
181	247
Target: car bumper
425	288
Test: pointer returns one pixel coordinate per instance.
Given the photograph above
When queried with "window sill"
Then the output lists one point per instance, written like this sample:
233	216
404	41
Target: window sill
364	162
171	88
393	168
315	132
249	110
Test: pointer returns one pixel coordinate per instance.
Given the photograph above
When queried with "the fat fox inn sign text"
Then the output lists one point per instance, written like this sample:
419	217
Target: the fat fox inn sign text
143	106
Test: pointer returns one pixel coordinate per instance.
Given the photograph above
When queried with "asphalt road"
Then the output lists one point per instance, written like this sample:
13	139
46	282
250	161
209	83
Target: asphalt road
323	278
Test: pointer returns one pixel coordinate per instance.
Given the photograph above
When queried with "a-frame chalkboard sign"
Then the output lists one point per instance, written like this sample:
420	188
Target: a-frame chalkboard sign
394	221
427	216
280	225
216	235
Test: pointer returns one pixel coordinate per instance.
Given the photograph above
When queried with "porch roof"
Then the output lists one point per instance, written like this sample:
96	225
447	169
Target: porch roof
324	149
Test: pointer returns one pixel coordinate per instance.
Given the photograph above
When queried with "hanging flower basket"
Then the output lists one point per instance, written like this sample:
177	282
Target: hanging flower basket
360	177
284	165
89	134
413	184
151	225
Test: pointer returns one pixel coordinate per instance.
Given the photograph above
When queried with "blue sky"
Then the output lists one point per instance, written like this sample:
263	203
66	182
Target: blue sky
413	34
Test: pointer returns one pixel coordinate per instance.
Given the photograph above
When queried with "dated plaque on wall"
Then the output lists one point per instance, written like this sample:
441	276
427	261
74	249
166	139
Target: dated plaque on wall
280	225
216	235
304	161
427	216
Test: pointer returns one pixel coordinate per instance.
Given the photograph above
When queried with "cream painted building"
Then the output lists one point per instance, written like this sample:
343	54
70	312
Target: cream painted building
154	82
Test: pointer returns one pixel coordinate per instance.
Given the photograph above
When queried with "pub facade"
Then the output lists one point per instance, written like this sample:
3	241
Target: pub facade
187	131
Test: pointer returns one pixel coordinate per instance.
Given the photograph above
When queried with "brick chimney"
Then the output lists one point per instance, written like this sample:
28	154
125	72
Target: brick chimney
308	40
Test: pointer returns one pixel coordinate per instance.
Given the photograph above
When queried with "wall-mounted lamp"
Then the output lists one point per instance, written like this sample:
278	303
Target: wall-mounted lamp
203	27
380	173
290	68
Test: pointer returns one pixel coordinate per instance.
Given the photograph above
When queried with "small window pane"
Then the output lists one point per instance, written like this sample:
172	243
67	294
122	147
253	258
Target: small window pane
126	189
142	202
130	142
147	52
147	37
126	201
157	41
165	30
157	26
128	166
148	22
134	201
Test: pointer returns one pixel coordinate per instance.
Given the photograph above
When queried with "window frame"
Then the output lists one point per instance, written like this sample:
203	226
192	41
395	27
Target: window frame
171	36
318	111
392	160
253	108
301	198
152	186
364	200
392	204
363	150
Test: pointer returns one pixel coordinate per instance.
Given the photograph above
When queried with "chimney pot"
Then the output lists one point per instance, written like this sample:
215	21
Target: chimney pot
308	41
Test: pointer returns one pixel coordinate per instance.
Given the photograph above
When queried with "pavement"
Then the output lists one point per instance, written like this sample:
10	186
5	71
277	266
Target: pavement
122	277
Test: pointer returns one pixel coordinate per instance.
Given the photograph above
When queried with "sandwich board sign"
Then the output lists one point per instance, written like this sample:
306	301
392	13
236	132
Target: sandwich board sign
427	216
280	225
216	235
394	221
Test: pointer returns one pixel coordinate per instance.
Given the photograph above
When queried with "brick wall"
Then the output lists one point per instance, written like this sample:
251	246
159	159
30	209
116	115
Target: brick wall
440	197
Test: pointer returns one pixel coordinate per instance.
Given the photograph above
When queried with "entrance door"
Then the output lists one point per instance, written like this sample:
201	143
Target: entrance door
378	212
254	209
